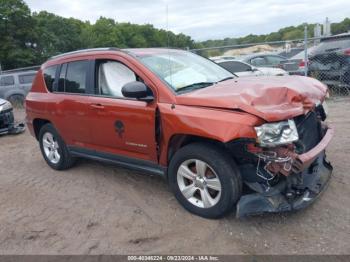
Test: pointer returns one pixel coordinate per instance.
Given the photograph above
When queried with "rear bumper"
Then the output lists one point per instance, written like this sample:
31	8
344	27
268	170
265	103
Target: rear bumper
311	173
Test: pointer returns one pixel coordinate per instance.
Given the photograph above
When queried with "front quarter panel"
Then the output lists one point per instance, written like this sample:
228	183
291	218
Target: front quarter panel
215	124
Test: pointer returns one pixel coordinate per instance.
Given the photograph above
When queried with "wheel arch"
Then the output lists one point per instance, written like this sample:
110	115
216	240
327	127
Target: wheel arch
38	123
178	141
16	91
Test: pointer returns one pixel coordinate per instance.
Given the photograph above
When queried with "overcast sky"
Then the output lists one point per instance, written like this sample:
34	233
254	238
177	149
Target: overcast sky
203	19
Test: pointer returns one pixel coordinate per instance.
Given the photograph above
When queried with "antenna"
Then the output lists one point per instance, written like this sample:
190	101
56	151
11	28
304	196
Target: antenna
168	39
167	22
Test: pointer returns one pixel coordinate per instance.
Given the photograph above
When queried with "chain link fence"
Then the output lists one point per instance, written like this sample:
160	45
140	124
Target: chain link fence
326	59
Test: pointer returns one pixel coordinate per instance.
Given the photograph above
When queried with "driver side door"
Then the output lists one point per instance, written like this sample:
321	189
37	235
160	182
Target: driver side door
119	125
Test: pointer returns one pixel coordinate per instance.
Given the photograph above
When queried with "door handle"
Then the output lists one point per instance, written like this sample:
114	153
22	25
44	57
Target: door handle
97	106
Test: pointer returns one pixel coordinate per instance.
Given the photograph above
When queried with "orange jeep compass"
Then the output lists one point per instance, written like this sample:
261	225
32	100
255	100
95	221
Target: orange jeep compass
250	144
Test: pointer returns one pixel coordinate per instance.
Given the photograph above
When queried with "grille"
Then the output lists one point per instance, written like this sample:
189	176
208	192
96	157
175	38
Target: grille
6	118
309	130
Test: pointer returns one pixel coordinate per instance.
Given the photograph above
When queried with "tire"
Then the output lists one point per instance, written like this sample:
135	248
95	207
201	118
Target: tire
215	164
51	141
16	100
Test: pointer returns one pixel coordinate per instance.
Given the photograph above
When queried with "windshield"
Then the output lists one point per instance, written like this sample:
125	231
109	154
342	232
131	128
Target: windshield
181	69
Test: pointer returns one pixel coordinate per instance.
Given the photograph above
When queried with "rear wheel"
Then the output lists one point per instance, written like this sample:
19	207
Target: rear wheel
205	180
53	148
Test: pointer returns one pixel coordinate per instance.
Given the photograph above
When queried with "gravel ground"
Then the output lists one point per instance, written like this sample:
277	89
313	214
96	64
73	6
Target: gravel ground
96	208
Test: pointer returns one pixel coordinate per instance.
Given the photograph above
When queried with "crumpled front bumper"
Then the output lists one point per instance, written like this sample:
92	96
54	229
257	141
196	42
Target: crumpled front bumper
8	125
312	171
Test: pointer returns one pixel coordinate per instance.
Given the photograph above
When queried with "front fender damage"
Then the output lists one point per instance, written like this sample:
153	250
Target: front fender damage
302	177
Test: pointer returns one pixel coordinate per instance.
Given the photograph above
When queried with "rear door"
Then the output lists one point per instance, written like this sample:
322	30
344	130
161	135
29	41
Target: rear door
119	125
70	104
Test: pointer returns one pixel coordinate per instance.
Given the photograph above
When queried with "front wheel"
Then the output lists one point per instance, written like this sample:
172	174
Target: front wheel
205	180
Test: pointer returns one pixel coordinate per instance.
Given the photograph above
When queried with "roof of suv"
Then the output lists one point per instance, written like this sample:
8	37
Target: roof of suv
134	51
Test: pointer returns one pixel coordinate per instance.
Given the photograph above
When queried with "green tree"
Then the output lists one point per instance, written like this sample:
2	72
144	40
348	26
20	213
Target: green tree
56	34
17	34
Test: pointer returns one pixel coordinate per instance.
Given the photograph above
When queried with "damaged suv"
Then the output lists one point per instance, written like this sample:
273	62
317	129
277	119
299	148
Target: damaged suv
257	144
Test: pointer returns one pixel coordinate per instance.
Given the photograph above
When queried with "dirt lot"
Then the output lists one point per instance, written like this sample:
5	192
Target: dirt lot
95	208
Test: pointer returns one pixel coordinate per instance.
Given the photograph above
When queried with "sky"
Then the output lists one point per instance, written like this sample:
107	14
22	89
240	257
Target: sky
203	19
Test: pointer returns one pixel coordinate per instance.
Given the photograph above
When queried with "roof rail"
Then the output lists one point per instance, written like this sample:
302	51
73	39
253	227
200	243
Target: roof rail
22	69
86	50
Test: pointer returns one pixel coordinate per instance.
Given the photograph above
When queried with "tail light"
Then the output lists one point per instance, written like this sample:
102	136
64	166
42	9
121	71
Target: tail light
347	51
302	63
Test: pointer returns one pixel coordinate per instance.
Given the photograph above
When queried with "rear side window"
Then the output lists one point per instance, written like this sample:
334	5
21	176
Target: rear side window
274	60
258	61
61	80
26	79
49	76
235	67
7	81
76	75
333	45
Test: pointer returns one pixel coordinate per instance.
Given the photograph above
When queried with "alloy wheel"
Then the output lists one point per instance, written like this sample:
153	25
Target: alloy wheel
51	147
199	183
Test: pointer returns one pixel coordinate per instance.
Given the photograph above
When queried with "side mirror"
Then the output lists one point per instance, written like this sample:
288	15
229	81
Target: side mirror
137	90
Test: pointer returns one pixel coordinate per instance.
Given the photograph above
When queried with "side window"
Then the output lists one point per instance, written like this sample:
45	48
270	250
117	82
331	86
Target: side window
62	77
112	76
49	76
274	60
26	79
75	81
235	67
7	81
258	61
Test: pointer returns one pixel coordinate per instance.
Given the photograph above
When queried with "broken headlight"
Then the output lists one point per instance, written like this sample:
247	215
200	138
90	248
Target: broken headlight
5	106
274	134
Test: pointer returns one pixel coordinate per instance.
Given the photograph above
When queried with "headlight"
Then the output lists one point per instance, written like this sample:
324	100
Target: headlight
7	105
325	107
273	134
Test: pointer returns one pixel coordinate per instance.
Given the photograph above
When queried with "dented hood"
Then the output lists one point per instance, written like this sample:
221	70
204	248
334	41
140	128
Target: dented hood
270	98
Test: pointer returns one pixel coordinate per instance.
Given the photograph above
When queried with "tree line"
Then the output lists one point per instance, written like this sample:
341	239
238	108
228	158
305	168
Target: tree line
28	38
286	33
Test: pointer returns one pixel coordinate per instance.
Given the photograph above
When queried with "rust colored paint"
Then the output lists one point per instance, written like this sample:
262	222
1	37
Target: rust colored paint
216	124
270	98
222	112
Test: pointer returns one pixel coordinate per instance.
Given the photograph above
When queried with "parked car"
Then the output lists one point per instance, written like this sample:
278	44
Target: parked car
243	69
220	141
274	61
330	62
7	120
300	59
15	85
291	53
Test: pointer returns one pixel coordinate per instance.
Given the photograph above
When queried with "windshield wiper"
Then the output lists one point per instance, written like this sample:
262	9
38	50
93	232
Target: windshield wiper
194	86
227	78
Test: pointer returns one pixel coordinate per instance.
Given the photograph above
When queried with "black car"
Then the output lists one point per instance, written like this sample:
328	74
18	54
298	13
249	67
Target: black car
330	62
